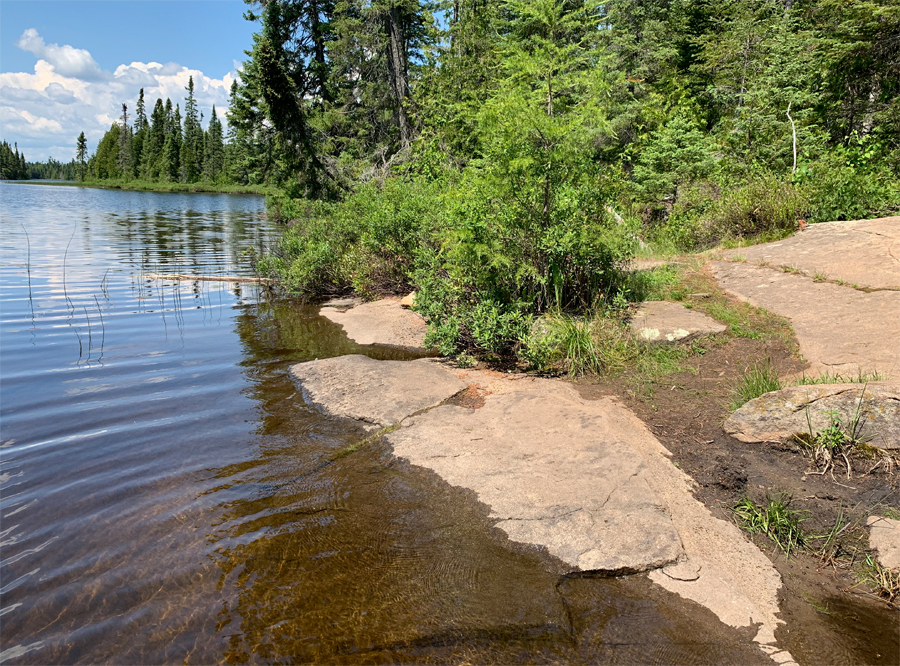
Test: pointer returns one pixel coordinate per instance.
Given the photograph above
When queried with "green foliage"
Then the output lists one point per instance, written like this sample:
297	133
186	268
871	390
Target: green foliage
755	381
776	519
367	244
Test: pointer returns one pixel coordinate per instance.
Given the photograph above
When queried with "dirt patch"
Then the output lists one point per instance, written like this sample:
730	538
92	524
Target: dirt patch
471	398
686	411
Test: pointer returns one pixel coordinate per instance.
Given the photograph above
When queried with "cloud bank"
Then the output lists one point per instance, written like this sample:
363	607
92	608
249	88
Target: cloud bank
69	93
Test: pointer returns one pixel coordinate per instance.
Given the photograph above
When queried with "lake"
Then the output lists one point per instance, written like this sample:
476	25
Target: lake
167	494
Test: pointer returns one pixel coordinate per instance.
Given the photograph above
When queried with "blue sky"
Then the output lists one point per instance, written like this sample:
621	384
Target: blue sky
67	66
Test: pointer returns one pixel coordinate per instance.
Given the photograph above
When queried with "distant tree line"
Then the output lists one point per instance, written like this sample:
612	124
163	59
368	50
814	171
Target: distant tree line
13	166
161	148
12	163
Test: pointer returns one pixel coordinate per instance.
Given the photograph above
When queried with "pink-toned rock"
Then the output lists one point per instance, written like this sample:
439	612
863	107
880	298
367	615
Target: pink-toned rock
665	322
884	536
841	330
383	322
861	252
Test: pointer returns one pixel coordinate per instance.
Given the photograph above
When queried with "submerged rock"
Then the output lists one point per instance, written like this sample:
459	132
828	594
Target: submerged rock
554	472
380	393
779	415
383	322
663	321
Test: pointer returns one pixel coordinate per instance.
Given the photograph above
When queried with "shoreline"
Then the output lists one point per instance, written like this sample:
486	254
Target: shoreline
137	186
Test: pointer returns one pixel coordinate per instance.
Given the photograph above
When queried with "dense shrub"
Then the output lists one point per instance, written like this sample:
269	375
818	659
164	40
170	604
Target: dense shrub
366	244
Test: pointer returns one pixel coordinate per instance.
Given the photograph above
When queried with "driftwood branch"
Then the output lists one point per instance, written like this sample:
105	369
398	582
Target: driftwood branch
209	278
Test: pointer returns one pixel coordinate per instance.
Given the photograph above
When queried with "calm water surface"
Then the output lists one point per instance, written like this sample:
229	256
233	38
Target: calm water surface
167	495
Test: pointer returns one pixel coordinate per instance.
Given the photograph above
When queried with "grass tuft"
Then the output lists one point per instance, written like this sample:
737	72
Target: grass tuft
755	381
775	519
834	378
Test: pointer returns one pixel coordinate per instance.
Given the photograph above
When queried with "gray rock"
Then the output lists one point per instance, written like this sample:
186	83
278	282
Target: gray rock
662	321
840	329
862	252
383	322
884	536
779	415
379	393
554	472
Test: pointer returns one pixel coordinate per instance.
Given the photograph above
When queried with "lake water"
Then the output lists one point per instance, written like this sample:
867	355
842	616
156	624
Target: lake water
167	495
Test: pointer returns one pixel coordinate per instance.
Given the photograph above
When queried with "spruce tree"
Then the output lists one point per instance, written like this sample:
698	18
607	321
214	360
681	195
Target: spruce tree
192	142
126	157
214	158
81	155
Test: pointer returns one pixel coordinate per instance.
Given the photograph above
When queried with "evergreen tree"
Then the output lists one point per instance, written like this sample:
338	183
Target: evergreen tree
125	155
214	157
140	133
81	155
192	142
155	138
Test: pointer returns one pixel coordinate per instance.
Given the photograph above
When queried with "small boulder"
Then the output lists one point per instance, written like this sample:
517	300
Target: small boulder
409	300
779	415
379	393
884	536
666	322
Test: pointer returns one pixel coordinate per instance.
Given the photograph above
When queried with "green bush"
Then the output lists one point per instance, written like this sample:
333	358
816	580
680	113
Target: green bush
838	190
497	263
366	243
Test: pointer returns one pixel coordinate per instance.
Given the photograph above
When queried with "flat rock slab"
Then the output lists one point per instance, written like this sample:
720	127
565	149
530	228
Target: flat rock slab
663	321
841	330
862	252
554	472
378	393
383	322
779	415
884	536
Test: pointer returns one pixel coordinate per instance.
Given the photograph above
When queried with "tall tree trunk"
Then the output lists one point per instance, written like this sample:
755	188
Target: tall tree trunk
398	72
319	52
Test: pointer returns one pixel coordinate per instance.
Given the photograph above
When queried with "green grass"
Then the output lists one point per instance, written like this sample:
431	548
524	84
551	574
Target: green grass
775	519
577	346
834	378
145	186
755	381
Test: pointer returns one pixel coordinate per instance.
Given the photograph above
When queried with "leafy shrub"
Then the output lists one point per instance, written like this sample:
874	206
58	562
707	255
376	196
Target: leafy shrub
367	243
765	205
838	190
497	263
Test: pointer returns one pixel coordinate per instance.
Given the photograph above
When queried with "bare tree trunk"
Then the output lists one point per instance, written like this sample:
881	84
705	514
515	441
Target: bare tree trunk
398	72
794	133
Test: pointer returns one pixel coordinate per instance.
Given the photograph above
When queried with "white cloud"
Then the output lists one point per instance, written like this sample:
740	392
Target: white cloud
68	93
66	60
